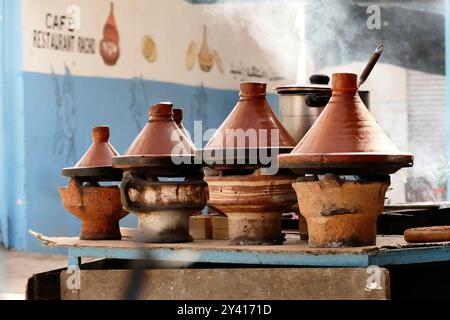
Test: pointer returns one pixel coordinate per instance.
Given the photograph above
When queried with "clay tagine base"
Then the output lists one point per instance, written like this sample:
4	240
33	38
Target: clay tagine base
253	203
98	207
166	226
246	228
302	224
341	213
162	207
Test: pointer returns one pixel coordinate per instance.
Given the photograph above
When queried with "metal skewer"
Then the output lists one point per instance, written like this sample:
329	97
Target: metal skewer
373	60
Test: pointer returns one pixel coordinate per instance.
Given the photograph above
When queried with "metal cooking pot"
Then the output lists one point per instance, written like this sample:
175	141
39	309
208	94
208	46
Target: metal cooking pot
301	105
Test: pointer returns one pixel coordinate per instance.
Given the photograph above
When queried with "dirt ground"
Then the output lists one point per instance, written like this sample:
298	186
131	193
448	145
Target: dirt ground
16	267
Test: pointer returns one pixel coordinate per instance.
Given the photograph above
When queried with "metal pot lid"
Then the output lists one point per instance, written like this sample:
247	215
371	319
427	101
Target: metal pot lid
345	139
303	89
96	163
319	83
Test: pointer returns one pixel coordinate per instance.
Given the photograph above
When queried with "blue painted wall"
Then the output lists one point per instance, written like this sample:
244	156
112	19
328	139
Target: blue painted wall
59	111
59	114
45	125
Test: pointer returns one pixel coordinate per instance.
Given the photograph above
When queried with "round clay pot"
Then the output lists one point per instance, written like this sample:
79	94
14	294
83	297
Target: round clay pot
162	207
254	204
98	207
341	213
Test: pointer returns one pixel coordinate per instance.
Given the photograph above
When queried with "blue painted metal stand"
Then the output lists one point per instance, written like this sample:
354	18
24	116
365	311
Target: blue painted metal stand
262	256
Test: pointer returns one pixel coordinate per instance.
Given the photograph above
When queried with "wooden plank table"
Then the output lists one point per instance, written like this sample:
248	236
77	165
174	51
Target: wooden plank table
389	250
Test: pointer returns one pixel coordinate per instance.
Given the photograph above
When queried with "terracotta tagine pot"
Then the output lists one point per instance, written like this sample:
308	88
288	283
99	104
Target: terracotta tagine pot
161	148
345	140
247	132
162	206
245	183
109	45
98	207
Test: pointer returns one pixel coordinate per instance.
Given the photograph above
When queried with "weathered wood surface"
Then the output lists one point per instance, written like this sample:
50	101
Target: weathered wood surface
293	244
219	228
234	284
200	227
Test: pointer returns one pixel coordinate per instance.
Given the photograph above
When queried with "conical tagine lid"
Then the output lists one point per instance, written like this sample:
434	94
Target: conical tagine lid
251	125
160	144
345	139
97	161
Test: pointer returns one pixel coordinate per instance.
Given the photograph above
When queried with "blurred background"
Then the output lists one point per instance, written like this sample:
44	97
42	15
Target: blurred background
58	79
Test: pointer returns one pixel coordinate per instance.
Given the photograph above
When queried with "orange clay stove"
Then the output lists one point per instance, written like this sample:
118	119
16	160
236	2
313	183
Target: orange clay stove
353	158
238	183
163	207
98	207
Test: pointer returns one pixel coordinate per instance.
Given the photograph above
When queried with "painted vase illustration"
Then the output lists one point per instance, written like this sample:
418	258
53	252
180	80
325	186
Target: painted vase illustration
109	45
205	58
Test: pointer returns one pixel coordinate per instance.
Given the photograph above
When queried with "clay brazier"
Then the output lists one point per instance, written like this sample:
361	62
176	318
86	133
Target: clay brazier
341	213
163	207
98	207
254	204
239	186
345	140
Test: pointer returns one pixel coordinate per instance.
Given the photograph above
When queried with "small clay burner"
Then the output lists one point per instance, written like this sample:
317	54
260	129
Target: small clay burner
254	204
238	185
163	207
341	213
344	140
98	207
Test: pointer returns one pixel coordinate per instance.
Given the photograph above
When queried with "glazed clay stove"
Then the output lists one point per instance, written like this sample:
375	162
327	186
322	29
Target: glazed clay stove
163	206
98	207
252	200
353	158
